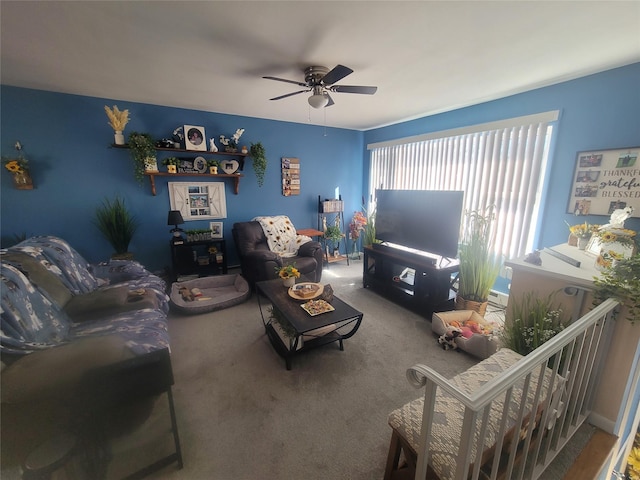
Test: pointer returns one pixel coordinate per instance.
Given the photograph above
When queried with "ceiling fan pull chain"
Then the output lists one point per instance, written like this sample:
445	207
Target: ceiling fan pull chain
325	122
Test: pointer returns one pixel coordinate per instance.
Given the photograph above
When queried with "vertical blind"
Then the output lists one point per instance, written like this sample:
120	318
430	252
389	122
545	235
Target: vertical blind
503	167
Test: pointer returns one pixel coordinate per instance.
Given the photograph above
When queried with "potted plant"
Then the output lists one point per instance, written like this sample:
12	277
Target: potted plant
369	236
171	164
118	119
143	153
258	155
622	282
213	166
117	225
333	235
582	233
531	322
479	267
288	274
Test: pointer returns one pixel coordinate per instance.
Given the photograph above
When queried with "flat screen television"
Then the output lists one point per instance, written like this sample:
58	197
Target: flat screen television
425	220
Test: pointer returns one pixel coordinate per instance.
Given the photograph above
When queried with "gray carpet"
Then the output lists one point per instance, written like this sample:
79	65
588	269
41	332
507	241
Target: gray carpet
242	415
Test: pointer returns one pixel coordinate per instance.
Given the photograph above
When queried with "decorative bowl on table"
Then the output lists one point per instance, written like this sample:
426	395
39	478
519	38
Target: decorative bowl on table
305	291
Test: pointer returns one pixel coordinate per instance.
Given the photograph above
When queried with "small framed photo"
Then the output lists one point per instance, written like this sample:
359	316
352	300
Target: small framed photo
216	229
194	138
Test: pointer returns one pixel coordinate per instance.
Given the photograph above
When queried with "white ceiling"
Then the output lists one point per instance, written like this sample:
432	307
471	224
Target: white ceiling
425	56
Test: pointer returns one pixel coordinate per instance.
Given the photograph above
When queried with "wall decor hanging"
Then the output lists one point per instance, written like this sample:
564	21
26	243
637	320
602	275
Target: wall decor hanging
198	200
605	181
290	176
18	165
194	138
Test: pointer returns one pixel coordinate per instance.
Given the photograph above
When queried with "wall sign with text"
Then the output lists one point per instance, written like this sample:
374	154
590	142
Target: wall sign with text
604	181
290	176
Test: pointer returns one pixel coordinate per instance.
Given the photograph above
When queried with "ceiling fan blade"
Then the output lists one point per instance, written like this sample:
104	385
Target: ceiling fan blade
302	84
331	102
337	74
289	95
354	89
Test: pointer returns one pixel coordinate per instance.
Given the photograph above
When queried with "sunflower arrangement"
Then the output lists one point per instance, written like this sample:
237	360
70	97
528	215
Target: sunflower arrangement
582	230
16	165
118	119
633	464
618	235
288	271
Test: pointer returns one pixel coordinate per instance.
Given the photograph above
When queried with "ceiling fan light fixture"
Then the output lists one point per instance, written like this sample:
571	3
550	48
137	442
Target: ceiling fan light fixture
318	100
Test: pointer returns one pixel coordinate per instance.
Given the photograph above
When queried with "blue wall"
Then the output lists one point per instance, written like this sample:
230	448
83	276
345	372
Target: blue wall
599	111
66	139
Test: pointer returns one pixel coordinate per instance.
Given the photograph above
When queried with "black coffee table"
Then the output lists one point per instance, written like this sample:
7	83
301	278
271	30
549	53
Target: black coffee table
297	330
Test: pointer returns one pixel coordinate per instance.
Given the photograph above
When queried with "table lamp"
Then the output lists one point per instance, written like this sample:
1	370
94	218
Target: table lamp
175	219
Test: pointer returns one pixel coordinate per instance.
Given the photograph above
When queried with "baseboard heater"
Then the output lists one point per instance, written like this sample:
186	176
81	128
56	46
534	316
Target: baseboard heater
498	298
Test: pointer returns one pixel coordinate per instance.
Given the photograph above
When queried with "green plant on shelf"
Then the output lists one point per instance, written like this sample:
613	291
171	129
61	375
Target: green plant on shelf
171	161
142	147
333	235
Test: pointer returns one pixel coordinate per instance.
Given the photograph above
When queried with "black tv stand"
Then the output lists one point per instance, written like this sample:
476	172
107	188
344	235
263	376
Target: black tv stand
398	249
412	279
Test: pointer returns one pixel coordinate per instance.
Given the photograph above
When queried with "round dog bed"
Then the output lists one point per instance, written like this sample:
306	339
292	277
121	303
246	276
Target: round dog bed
211	293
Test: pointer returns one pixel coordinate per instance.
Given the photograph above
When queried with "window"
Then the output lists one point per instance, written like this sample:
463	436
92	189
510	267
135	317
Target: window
500	163
198	201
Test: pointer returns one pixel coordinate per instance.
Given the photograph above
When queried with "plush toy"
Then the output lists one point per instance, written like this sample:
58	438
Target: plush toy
448	339
186	294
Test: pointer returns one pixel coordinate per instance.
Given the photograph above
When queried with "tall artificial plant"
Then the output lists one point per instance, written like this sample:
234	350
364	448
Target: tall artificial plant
116	223
532	321
479	266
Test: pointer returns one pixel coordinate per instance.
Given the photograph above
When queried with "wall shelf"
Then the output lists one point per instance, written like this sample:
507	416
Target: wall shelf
152	175
183	150
152	180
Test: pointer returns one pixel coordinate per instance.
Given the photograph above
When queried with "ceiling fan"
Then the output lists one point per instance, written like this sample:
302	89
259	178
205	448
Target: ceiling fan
320	81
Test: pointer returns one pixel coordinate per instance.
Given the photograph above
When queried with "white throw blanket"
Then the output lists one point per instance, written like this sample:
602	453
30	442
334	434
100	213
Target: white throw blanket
281	235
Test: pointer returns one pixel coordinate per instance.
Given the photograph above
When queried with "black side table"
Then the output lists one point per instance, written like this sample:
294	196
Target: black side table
202	258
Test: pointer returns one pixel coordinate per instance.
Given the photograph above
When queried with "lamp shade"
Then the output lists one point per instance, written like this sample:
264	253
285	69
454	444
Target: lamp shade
318	100
175	218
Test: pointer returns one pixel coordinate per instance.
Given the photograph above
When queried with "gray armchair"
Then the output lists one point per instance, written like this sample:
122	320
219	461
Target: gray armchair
259	263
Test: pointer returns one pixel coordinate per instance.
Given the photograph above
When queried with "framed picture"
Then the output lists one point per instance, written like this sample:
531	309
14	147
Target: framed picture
605	181
196	165
290	176
198	200
216	229
194	138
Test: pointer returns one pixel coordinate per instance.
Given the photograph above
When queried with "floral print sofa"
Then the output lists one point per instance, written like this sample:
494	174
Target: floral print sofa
81	344
52	296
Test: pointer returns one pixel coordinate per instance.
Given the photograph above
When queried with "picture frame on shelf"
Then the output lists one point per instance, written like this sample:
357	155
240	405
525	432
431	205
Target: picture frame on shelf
195	165
194	138
216	229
